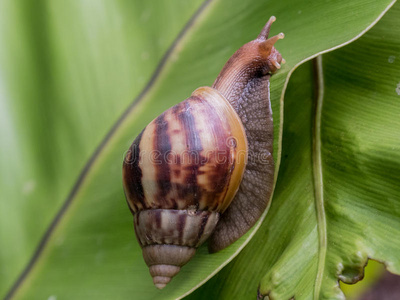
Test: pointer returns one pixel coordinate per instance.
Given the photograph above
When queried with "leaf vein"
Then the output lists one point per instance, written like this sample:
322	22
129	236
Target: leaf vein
318	178
89	164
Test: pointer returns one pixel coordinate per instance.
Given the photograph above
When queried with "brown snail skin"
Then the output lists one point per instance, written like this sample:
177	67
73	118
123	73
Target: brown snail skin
203	169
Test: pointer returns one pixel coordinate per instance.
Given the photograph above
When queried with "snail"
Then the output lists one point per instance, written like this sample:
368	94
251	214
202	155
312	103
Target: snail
204	169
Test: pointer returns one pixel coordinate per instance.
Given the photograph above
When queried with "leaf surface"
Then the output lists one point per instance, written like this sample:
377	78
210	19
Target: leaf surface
337	198
68	70
74	93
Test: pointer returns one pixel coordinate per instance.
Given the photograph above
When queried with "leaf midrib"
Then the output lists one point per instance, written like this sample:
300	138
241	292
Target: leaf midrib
94	157
317	176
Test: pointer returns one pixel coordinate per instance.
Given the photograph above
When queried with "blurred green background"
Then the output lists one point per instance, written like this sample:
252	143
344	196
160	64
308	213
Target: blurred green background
80	79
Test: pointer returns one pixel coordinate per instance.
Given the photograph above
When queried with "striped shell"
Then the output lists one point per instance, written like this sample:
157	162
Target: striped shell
204	168
180	174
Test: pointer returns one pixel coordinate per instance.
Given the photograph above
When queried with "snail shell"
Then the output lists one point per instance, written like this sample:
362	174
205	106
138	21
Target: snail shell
204	168
182	172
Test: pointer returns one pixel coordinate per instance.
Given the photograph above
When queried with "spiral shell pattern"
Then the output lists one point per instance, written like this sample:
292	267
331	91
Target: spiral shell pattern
180	174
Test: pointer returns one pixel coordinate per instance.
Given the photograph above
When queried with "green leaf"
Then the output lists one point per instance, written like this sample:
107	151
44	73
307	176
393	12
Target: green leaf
374	276
337	199
68	71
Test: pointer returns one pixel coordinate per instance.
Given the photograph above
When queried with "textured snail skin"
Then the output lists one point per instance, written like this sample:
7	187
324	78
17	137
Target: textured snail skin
244	81
204	167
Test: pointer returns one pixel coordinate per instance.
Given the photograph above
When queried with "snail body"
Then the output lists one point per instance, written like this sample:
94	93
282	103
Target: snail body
194	172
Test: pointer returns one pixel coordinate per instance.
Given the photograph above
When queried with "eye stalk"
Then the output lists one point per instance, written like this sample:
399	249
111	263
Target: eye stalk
265	31
273	57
